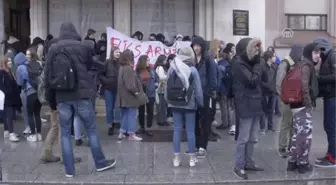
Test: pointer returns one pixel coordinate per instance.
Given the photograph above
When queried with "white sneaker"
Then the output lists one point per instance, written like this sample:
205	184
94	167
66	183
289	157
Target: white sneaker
13	137
232	130
134	137
39	137
32	138
43	120
193	161
27	131
170	120
177	161
121	136
6	134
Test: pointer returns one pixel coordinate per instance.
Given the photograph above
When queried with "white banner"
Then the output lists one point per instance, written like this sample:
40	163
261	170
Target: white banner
150	48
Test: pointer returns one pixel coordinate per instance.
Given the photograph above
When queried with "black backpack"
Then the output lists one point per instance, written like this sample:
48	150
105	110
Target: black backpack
34	71
177	94
63	75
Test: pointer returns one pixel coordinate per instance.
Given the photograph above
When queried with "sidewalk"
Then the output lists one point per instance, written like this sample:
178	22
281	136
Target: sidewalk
151	163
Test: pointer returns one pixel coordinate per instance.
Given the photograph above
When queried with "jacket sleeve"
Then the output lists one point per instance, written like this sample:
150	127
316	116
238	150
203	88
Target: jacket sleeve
198	88
102	75
252	78
129	82
306	73
330	78
280	75
212	74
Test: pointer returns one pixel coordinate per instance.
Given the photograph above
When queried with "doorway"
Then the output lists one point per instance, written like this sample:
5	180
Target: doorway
17	20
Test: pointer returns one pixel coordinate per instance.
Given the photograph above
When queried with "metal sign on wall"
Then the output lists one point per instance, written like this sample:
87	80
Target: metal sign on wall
240	22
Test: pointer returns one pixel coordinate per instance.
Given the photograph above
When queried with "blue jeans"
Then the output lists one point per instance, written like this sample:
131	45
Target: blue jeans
112	112
188	117
24	108
78	125
329	122
128	120
84	110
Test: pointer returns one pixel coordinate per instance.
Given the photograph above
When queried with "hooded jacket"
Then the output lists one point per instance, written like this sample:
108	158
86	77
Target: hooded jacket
327	75
82	60
22	77
247	75
295	56
207	68
11	90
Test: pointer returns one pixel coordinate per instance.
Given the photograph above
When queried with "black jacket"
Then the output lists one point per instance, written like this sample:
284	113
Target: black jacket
11	90
327	75
101	51
247	76
268	87
82	54
109	76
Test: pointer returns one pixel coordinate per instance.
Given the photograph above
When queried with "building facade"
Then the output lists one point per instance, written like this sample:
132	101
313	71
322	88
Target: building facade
264	19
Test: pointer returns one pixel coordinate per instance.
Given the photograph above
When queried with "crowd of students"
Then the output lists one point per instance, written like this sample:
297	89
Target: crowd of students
248	83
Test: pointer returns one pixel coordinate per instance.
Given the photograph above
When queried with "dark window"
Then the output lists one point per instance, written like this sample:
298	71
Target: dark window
307	22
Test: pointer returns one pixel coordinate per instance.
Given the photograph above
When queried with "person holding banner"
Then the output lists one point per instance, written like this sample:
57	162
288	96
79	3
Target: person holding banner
147	78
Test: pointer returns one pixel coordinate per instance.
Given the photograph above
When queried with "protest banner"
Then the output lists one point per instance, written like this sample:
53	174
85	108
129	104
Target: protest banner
150	48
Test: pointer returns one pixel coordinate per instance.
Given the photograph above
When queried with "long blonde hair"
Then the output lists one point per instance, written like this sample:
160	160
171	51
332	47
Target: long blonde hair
214	48
3	63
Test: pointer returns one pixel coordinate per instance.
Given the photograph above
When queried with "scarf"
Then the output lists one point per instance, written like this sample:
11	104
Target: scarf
182	70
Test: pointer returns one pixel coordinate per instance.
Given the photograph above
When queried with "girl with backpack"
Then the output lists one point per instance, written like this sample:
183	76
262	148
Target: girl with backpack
146	76
12	101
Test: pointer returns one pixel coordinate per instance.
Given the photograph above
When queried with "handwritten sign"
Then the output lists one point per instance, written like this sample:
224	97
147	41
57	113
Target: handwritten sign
150	48
240	22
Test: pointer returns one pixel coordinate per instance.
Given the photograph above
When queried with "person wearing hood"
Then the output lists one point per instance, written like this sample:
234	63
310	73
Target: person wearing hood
13	42
182	67
247	76
327	86
101	47
298	157
286	123
207	69
77	101
178	37
225	88
33	106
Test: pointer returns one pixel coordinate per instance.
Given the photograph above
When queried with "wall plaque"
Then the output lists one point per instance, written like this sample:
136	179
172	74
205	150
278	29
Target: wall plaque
240	22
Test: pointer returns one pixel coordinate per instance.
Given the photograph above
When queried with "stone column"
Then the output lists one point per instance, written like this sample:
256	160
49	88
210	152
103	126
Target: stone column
200	18
332	18
209	19
122	16
38	19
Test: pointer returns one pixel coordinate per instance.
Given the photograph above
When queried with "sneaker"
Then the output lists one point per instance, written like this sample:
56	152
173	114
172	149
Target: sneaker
240	173
13	137
110	164
134	137
282	152
79	142
43	120
193	161
121	136
6	134
39	137
32	138
170	120
27	131
292	166
253	168
110	131
177	161
69	176
320	159
304	168
326	163
263	132
201	153
232	130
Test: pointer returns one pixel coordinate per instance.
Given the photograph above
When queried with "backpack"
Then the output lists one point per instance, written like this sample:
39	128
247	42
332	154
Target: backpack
63	76
177	94
34	71
291	86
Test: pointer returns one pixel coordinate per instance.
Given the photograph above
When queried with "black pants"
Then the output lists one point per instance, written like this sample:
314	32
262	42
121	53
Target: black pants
8	119
149	108
204	119
33	110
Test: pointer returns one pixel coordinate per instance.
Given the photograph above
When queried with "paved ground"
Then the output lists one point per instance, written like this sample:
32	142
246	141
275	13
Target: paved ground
151	163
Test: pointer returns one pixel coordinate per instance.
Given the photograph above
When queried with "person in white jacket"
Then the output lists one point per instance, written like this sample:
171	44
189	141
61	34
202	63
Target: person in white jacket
161	73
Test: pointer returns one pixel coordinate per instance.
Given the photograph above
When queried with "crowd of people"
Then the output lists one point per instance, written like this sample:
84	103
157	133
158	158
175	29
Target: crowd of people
251	86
